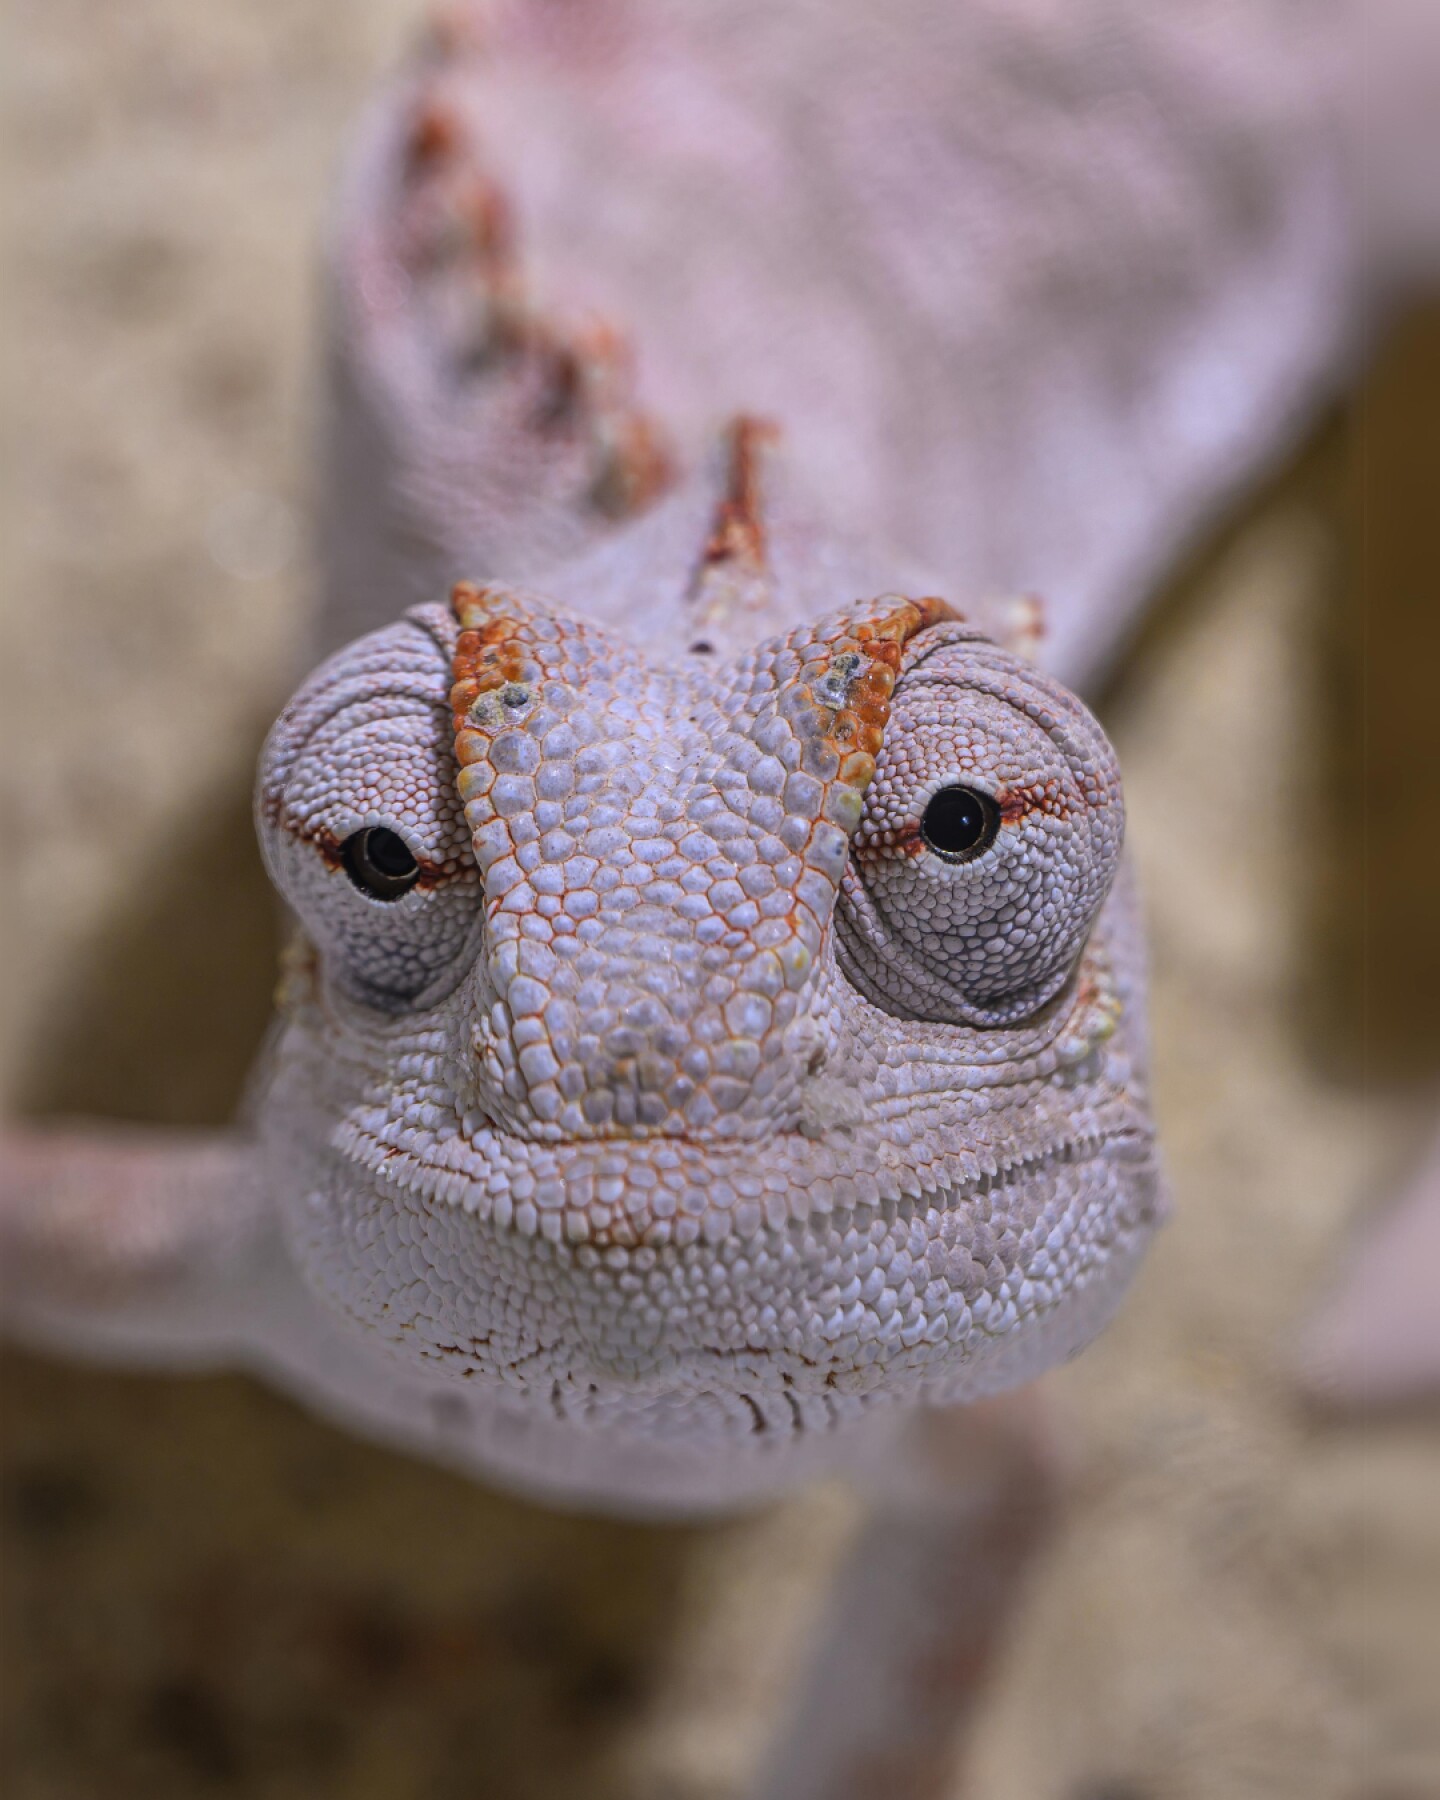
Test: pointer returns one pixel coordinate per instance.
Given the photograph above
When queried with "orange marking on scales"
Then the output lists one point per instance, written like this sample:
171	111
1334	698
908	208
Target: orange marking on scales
436	134
489	658
859	698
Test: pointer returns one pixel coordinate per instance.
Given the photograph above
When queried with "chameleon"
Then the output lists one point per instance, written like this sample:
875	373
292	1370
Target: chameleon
712	1043
713	1022
714	1026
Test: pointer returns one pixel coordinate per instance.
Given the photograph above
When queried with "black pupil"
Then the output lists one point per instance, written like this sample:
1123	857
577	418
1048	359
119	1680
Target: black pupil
379	863
958	822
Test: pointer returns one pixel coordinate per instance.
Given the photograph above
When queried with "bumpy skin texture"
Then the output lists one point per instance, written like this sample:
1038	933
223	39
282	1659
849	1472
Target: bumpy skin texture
689	1092
1030	293
690	1101
720	1128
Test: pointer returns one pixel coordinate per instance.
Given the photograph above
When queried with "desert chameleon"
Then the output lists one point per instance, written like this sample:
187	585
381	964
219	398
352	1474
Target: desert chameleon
713	1022
708	1034
713	1031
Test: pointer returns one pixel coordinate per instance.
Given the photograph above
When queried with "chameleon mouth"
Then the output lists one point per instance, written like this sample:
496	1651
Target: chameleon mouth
677	1191
838	1285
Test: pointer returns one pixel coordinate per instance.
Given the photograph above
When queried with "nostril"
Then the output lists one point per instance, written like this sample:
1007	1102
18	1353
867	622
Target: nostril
807	1046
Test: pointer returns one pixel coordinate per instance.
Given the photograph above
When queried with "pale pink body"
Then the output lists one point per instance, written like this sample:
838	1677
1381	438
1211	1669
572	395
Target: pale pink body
1027	290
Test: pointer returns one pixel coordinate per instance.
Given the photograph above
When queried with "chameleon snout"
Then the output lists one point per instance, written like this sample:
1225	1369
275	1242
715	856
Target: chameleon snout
661	849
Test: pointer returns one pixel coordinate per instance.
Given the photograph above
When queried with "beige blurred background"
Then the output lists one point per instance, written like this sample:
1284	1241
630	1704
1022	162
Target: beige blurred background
203	1590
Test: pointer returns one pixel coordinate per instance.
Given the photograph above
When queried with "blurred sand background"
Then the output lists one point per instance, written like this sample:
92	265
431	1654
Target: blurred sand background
202	1590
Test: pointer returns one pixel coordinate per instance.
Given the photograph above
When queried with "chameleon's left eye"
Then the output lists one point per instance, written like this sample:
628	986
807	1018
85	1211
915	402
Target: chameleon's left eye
987	843
379	862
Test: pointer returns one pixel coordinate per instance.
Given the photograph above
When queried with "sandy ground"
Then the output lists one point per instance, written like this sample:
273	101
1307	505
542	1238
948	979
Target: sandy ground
203	1589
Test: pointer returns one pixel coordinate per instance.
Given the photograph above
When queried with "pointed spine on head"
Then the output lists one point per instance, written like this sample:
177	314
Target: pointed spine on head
732	576
737	536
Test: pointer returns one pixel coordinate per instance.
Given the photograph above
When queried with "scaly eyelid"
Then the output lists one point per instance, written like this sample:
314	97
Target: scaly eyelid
936	640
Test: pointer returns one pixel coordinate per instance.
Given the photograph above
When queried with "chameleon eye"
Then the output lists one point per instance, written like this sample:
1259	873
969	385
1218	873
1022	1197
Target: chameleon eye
361	825
1020	819
959	824
379	863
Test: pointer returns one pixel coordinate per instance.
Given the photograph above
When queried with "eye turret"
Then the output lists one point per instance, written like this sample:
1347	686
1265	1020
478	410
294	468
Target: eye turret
989	838
360	824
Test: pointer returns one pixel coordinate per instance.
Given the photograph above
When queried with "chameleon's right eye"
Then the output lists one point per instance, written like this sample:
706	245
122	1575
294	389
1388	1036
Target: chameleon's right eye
361	826
379	862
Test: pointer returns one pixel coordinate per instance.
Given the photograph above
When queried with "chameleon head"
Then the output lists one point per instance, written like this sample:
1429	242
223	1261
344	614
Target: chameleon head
706	1049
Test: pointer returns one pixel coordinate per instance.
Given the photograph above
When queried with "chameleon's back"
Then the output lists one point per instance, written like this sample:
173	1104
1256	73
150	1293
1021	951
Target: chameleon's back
994	348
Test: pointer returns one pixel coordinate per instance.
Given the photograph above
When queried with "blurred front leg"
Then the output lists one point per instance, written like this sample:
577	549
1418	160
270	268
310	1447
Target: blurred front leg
911	1630
127	1243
